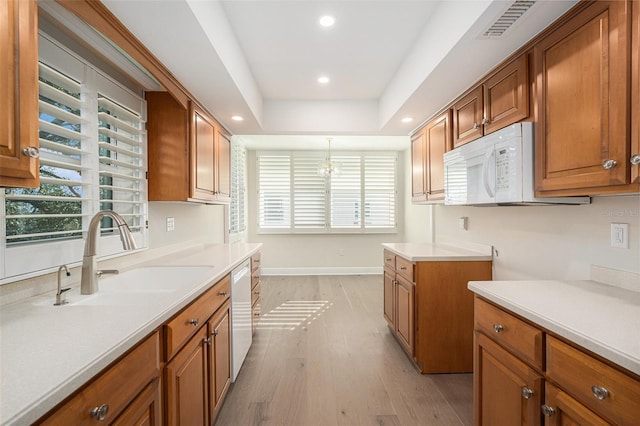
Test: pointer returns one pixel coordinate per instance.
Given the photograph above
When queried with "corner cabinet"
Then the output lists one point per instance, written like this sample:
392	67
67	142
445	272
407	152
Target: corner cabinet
420	298
428	146
189	153
19	145
500	100
582	142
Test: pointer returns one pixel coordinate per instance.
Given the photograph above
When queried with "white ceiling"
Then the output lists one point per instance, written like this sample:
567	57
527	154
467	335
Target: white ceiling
386	59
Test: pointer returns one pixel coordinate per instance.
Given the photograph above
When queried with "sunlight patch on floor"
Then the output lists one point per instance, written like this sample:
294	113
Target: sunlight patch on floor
292	314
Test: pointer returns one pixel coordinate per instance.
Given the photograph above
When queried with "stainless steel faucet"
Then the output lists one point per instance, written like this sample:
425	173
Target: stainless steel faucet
59	299
90	272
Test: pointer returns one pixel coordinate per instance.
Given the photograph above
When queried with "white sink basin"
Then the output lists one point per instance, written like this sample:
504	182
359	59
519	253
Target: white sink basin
152	279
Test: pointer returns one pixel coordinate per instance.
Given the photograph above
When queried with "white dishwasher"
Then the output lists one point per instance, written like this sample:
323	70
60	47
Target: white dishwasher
240	316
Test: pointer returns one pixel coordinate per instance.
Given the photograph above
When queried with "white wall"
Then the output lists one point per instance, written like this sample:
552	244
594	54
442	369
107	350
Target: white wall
193	222
549	242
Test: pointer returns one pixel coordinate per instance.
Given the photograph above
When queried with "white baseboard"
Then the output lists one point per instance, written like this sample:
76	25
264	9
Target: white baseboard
371	270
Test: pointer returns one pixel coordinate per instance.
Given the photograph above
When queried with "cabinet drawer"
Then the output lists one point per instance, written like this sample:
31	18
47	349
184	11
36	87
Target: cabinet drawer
186	323
404	268
255	264
586	379
255	293
389	260
255	314
509	331
116	387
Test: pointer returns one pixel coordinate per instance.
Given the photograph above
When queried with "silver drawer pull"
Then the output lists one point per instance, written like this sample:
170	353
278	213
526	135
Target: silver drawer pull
498	328
548	411
223	293
526	392
194	322
207	340
403	268
100	413
609	164
599	392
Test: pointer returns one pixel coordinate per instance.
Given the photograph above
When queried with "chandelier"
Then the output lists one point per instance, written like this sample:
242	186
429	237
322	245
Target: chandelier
327	168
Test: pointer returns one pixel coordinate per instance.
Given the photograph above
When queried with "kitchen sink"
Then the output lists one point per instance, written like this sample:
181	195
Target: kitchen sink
153	279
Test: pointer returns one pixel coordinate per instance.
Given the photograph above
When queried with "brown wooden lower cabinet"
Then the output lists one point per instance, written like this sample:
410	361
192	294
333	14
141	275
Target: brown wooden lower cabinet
561	409
219	358
579	387
430	310
508	391
186	381
124	391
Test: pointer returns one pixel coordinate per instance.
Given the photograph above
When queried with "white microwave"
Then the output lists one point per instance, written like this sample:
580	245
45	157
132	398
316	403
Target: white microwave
496	169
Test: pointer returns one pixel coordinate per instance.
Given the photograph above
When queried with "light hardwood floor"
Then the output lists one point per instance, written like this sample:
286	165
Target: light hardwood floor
323	355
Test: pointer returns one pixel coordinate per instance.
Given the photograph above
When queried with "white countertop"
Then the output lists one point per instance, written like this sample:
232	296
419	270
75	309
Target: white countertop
47	352
599	317
419	252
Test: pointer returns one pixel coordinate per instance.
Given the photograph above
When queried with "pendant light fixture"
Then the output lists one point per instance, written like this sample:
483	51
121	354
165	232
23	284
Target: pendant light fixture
328	167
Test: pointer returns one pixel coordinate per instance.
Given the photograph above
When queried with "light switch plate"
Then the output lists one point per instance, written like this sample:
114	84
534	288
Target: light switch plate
620	235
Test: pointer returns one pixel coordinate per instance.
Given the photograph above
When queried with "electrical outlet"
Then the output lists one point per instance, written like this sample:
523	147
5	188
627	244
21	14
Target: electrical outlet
620	235
171	224
341	252
462	223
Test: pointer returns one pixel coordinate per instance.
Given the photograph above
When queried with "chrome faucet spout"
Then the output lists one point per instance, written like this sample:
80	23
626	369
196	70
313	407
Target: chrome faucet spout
89	281
59	299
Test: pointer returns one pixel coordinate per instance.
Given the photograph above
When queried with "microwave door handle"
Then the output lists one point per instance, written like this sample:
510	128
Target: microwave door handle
485	173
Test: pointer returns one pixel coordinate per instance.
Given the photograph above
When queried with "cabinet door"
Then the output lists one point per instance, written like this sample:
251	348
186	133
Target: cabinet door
582	70
219	357
223	166
635	93
506	391
18	93
562	410
145	410
405	293
389	298
438	136
202	156
506	95
467	118
187	395
418	160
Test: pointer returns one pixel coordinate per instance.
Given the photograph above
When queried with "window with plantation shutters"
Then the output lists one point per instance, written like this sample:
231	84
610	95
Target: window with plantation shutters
237	222
92	158
361	198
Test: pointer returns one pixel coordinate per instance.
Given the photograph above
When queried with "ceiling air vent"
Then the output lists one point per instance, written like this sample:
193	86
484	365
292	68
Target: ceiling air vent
508	18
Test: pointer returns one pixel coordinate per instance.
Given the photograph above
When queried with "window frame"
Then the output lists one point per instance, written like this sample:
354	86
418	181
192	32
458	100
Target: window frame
363	228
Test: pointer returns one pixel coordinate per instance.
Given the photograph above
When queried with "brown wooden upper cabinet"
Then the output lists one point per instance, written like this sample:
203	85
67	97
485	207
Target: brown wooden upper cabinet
428	146
635	93
583	89
500	100
189	153
19	146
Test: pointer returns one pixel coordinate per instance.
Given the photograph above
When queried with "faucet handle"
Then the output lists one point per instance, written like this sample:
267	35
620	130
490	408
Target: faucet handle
107	271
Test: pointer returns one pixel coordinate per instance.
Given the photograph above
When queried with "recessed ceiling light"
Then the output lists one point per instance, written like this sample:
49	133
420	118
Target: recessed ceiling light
323	80
327	21
237	118
407	119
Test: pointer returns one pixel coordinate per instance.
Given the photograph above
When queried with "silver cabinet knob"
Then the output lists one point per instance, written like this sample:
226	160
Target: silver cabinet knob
193	321
214	333
485	121
526	392
207	340
498	328
635	159
223	293
609	164
475	126
599	392
100	413
548	411
31	152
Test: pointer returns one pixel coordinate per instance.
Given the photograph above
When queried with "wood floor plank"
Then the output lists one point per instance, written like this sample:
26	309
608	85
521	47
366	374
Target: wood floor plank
323	355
